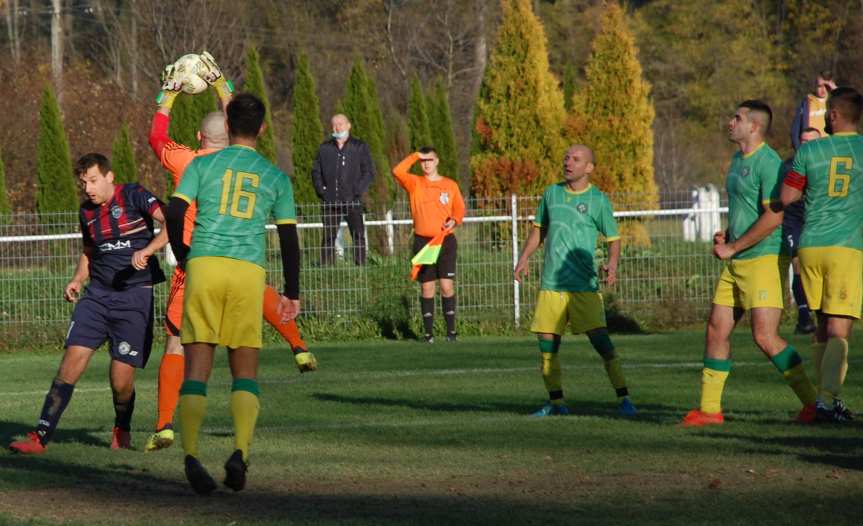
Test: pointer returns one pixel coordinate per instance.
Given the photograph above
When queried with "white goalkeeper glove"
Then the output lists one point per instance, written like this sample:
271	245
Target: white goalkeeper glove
171	87
306	362
214	77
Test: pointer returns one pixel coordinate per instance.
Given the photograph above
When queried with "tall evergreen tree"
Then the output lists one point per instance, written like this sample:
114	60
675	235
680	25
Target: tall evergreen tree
307	133
5	206
362	107
518	144
568	86
123	157
442	132
255	85
614	114
56	191
419	130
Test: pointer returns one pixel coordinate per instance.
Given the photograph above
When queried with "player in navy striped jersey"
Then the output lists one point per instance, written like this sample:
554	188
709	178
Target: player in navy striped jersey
117	306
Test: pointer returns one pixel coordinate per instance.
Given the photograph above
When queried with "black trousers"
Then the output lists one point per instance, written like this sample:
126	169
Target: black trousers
333	213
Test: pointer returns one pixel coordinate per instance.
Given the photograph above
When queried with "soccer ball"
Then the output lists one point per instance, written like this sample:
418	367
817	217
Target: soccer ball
188	70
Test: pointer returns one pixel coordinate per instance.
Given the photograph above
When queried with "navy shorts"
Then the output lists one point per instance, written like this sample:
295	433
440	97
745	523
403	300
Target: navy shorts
445	266
123	318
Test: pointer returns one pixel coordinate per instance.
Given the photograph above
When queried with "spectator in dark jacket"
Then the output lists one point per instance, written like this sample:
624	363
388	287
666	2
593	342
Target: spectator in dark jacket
342	173
812	112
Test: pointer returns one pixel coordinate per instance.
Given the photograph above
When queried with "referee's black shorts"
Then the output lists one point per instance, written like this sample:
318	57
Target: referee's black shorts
445	266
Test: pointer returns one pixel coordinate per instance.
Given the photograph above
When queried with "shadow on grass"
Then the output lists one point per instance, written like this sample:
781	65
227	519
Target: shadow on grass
100	494
844	452
10	431
656	413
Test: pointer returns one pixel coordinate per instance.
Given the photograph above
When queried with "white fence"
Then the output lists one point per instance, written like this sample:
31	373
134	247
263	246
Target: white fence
662	277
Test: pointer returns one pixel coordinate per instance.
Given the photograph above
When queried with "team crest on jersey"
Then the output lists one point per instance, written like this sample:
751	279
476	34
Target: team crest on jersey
744	172
116	211
444	198
581	207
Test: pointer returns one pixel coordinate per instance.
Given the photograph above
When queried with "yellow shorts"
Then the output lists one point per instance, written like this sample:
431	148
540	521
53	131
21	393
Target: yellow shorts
583	311
832	279
753	283
224	302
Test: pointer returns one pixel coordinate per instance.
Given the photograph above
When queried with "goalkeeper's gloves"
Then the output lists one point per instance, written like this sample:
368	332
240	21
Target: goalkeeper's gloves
214	77
171	87
306	361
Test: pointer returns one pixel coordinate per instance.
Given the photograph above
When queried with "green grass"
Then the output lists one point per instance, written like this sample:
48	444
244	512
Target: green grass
391	432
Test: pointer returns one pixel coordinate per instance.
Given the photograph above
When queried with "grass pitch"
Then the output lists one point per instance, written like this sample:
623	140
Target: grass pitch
405	433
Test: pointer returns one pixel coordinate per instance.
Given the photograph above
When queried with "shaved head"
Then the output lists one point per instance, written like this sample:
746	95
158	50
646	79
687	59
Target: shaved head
582	149
214	130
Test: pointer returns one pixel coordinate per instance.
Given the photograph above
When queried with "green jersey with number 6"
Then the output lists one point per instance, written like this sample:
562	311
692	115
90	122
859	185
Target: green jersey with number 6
833	191
237	190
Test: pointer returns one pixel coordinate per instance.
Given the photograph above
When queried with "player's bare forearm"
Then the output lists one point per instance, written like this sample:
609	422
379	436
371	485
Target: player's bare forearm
614	253
789	195
530	246
82	269
767	223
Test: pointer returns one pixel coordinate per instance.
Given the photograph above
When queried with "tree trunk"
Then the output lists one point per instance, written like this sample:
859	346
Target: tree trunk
12	30
133	47
57	48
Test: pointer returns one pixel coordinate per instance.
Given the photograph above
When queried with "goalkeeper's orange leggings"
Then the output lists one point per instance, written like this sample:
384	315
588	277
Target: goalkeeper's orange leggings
288	329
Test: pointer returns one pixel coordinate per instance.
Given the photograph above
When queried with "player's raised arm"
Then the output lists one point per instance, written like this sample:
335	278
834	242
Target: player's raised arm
402	174
215	78
161	119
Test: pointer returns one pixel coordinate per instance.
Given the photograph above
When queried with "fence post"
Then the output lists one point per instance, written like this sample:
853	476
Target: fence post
390	232
516	303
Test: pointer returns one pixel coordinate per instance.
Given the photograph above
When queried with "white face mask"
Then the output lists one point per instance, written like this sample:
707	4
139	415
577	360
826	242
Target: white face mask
340	135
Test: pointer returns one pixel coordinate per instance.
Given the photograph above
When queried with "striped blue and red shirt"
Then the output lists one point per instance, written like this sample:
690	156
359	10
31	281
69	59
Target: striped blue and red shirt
117	229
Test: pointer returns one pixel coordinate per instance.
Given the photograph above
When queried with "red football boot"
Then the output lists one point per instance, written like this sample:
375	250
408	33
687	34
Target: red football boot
121	439
29	446
697	418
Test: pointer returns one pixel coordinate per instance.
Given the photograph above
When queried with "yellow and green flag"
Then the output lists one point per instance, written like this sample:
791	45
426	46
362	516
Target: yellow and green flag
429	253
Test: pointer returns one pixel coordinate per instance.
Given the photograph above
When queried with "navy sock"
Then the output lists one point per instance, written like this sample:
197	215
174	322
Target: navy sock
803	316
123	412
448	305
55	403
427	313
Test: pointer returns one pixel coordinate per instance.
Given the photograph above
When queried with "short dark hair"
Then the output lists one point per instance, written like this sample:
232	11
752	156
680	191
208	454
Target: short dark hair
246	114
826	74
759	107
90	160
847	101
429	149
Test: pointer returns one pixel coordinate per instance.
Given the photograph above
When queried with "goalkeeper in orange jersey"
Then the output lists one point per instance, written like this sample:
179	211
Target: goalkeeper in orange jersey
436	204
213	136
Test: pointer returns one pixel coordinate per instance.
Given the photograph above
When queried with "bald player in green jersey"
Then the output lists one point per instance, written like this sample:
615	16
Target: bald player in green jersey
752	279
569	219
828	174
236	190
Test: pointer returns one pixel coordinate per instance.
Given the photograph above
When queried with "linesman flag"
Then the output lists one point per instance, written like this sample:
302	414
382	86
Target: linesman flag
429	253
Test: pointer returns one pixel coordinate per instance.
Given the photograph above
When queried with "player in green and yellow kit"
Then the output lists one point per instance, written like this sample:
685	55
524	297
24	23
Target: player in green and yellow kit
236	191
827	173
753	278
569	220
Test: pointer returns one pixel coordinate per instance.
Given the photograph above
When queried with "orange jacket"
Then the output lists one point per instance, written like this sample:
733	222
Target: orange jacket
432	202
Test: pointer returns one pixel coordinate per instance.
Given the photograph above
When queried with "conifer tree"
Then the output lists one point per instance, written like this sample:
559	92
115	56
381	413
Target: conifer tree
362	107
254	84
442	132
614	114
5	206
123	157
56	191
307	133
568	86
518	145
418	118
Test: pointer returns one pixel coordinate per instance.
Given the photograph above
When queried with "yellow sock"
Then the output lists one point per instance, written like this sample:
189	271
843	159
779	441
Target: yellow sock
551	372
817	359
789	363
244	409
834	366
615	374
712	384
193	406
